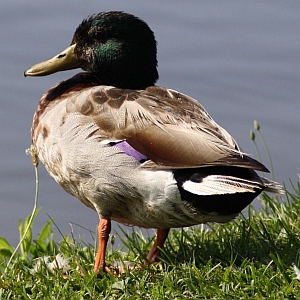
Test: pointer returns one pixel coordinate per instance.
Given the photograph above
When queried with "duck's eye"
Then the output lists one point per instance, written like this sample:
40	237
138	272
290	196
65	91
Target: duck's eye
97	35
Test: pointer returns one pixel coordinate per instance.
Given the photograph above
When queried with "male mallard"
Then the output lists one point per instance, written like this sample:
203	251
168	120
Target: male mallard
134	152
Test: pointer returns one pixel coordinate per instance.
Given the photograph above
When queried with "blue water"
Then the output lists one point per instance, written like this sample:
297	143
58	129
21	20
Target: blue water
240	59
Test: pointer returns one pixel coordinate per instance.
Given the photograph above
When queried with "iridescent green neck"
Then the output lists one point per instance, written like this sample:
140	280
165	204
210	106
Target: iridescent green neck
119	49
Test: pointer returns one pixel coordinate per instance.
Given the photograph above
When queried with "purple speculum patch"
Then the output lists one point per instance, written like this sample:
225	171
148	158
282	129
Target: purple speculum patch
129	150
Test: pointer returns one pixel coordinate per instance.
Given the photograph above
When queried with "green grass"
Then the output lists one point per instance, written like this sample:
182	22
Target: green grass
249	258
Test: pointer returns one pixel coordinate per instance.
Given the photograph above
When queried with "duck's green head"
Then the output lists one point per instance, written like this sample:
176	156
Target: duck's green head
118	48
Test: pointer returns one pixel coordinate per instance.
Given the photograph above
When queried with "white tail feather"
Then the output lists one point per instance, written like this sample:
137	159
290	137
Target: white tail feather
272	186
220	185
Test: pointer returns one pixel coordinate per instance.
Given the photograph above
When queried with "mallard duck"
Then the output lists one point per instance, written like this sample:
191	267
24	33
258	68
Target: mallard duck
134	152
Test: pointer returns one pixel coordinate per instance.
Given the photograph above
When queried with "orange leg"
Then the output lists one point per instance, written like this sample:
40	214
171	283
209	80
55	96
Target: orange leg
104	228
154	252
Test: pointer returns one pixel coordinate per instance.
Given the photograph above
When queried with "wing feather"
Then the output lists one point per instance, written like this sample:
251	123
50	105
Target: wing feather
170	128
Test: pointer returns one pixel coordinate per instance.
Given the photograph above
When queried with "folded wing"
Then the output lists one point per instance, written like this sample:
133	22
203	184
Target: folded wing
170	128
